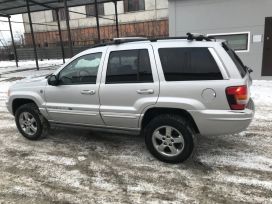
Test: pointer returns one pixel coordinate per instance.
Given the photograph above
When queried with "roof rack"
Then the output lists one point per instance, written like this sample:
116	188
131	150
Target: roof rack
189	37
198	37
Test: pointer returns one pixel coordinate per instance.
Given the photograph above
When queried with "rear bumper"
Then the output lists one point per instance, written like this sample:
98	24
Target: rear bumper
220	122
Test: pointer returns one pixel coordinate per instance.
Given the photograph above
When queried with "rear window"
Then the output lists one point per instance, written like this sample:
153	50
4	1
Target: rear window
236	59
188	64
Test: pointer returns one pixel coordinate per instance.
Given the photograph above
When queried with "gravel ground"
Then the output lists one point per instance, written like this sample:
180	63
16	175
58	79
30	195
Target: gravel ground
81	166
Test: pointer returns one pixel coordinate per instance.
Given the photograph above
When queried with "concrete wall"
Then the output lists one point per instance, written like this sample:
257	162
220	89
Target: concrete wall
223	16
154	10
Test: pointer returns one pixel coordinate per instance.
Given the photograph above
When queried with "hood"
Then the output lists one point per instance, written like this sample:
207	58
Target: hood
30	82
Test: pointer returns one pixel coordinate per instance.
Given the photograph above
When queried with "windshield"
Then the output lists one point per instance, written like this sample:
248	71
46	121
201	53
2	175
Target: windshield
236	59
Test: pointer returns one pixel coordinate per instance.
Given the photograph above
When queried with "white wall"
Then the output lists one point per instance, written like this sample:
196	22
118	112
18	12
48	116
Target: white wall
223	16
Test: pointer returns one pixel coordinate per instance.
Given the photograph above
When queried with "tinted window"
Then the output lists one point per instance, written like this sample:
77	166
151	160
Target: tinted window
185	64
82	70
238	62
129	66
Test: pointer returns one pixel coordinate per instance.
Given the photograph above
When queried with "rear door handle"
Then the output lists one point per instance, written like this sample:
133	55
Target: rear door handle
145	91
88	92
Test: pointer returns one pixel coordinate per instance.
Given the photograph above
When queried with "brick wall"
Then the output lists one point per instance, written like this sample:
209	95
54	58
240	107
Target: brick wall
85	36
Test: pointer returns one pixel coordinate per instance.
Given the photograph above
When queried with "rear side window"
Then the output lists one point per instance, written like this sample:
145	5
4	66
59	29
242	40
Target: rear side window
236	59
188	64
129	66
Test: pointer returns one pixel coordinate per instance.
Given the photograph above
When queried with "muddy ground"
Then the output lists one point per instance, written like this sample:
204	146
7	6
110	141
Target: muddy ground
81	166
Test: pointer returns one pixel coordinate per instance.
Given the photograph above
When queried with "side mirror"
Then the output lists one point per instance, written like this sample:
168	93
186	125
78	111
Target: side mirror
53	80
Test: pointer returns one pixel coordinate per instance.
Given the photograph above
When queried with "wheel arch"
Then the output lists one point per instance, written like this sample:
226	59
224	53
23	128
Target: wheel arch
16	103
156	111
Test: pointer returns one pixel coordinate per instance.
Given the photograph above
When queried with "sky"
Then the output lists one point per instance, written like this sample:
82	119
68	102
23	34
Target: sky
18	28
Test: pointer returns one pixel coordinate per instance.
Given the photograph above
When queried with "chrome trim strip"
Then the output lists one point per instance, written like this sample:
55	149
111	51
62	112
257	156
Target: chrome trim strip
73	112
121	115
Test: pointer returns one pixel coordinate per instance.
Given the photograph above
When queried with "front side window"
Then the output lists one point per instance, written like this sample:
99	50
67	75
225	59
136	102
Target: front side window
134	5
82	70
237	42
129	66
188	64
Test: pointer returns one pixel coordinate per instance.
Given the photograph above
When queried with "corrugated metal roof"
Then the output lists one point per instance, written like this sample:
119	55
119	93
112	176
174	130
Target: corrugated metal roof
11	7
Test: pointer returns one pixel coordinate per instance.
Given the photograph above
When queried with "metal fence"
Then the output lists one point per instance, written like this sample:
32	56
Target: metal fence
25	53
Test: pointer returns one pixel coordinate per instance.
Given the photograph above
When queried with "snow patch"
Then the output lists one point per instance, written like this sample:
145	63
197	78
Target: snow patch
239	160
54	159
246	181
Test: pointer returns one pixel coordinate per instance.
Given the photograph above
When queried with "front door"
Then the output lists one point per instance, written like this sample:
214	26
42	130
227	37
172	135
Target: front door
75	99
129	84
267	50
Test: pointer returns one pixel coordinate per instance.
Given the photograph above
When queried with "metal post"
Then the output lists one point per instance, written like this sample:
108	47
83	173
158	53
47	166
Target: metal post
68	28
32	34
60	36
97	20
116	18
13	44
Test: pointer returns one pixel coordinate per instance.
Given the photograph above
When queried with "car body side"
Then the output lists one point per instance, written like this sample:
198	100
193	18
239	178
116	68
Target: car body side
120	107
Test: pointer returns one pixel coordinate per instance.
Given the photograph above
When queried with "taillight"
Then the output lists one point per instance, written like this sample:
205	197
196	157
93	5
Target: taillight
237	97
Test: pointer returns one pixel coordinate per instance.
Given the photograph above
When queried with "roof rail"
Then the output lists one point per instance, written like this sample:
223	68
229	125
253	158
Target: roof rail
128	39
189	37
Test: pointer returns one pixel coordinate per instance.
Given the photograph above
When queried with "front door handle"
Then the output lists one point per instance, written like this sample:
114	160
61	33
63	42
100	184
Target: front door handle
88	92
145	91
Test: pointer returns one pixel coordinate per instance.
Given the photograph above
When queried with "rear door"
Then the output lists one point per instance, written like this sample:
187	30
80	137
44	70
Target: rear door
129	84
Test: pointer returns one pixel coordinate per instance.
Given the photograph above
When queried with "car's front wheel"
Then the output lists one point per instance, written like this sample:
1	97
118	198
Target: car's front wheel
30	122
169	138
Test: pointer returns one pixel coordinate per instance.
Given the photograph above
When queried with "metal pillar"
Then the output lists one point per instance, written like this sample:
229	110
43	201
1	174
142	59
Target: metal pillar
116	18
97	20
68	28
32	34
60	36
13	44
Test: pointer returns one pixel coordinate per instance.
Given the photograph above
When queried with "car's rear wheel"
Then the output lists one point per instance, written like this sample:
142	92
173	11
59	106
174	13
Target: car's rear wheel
30	123
169	138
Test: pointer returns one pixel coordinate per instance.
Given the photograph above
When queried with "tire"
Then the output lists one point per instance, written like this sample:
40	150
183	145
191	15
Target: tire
174	146
30	114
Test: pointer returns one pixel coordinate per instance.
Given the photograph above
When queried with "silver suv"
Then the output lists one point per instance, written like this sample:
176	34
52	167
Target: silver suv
169	90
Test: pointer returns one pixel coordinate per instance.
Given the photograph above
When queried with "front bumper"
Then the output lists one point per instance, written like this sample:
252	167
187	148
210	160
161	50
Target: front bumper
220	122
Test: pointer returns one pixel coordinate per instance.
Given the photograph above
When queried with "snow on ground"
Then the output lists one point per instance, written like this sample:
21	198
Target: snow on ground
81	166
262	92
28	64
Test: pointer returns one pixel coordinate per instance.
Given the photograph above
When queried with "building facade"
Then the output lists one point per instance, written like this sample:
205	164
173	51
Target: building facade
135	17
245	24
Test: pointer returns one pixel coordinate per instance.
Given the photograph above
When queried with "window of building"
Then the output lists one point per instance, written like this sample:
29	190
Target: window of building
129	66
134	5
236	41
82	70
61	13
188	64
90	10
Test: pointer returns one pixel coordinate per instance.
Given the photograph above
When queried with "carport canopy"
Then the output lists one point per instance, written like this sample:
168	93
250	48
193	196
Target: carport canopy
13	7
